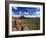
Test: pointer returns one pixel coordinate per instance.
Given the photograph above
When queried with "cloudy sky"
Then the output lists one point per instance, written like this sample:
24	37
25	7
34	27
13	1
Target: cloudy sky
25	11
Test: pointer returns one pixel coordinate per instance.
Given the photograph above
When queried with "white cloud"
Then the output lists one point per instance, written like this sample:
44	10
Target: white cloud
26	13
38	13
20	12
15	15
38	8
15	7
31	16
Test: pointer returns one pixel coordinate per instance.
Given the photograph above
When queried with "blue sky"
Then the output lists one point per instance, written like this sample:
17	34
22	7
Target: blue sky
25	11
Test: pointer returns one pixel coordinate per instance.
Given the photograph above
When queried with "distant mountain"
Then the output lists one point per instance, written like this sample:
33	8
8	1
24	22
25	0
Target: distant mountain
22	17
